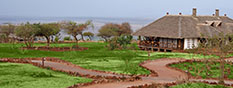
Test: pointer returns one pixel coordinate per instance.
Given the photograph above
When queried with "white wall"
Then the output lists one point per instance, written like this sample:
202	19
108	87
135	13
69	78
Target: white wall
189	43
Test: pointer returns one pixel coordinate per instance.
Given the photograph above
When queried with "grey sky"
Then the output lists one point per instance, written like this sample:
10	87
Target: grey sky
111	8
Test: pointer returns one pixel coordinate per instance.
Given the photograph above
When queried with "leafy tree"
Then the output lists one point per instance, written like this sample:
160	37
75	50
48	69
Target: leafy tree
27	32
2	37
75	29
88	34
125	29
48	30
109	30
6	31
106	34
83	27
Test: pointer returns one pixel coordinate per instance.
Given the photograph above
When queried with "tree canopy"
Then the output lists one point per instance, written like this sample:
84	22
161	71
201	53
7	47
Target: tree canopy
109	30
48	30
27	32
75	29
6	31
88	34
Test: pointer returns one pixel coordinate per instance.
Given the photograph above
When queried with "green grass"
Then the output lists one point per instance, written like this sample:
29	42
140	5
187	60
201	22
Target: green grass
14	75
214	69
97	57
198	85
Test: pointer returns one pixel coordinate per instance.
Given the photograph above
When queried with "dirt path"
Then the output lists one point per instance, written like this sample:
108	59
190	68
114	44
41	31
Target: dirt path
76	69
165	75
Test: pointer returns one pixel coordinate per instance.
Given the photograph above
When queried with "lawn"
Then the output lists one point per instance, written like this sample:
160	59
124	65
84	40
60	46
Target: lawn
198	85
214	71
97	57
13	75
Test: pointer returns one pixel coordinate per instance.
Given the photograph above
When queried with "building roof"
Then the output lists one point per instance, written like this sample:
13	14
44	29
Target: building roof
187	26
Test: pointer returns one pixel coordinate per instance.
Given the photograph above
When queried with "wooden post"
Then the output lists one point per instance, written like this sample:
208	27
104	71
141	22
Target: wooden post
43	59
152	49
148	53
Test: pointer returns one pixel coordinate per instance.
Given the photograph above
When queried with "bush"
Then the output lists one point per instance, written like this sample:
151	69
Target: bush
56	39
121	42
67	39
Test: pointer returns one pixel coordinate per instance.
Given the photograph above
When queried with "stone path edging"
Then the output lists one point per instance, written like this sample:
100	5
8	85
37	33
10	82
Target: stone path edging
161	73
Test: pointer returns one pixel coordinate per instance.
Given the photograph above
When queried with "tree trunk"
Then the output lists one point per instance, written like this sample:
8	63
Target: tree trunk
76	39
82	36
89	37
105	39
48	40
25	42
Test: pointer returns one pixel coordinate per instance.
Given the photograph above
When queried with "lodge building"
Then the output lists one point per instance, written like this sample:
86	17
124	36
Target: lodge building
180	32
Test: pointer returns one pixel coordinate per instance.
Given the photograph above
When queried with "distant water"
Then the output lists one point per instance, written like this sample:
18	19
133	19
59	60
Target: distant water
136	23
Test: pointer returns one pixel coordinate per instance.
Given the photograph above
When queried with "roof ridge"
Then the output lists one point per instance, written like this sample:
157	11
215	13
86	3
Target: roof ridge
179	27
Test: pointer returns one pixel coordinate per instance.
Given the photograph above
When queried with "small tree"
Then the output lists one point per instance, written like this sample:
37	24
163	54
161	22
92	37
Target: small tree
109	30
106	34
27	32
83	27
125	29
6	31
88	34
48	30
75	29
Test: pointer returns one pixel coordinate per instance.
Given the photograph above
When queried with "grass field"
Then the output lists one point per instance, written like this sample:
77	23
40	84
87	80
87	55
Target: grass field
97	57
198	85
14	75
213	73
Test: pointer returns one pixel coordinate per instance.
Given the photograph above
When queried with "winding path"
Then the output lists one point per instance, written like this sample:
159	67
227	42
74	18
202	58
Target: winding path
165	75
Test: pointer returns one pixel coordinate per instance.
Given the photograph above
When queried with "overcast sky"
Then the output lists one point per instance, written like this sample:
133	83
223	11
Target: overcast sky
111	8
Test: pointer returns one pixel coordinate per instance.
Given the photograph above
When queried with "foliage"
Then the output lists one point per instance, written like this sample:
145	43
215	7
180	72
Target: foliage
48	30
109	30
6	31
67	39
106	34
75	29
206	70
27	32
14	75
88	34
57	39
2	37
125	29
120	42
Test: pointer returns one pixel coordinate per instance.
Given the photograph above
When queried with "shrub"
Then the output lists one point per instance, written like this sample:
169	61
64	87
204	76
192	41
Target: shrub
67	38
121	42
56	39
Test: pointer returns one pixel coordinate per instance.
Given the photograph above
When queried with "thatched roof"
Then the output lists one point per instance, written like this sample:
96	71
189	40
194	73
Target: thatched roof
187	26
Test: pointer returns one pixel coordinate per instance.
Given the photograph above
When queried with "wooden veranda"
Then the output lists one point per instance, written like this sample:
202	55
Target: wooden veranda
161	44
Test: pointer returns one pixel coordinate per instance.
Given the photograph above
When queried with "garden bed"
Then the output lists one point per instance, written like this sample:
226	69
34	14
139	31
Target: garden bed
202	69
58	49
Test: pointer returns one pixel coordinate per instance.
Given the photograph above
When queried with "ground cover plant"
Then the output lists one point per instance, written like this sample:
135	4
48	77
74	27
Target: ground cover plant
198	85
14	75
205	70
97	57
